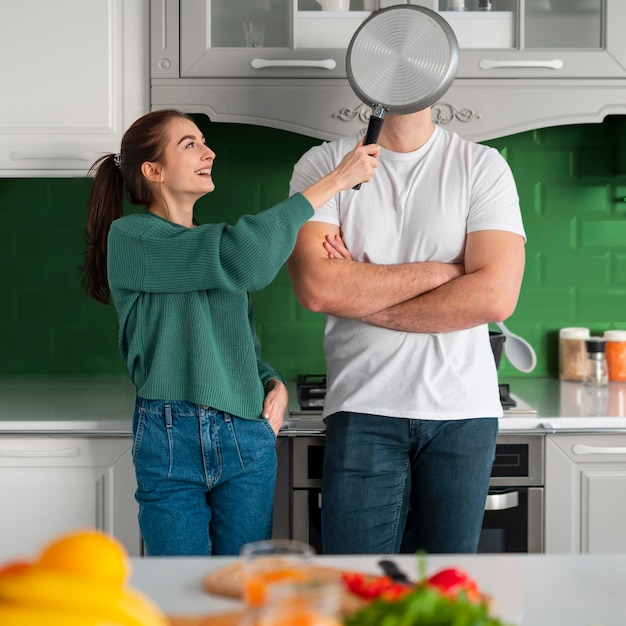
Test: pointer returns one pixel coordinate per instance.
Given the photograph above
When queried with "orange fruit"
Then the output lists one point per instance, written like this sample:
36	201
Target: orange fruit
88	554
255	585
298	617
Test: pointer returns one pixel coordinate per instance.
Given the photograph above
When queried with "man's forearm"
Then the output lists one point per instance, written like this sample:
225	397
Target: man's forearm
346	288
456	305
488	292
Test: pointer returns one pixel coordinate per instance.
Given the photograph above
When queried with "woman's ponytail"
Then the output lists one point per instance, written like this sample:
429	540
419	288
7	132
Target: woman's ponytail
145	140
106	203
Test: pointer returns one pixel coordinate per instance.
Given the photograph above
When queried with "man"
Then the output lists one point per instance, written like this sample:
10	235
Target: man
434	251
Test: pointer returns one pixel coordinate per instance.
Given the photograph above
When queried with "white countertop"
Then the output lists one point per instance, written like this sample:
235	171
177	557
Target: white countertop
558	406
529	590
67	405
94	406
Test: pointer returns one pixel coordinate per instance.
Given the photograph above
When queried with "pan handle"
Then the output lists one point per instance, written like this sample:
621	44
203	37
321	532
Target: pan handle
373	131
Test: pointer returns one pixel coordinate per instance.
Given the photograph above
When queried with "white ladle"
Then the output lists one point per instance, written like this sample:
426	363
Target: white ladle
518	351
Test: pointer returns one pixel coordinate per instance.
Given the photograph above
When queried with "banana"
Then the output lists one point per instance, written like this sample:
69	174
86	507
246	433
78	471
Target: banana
29	616
52	592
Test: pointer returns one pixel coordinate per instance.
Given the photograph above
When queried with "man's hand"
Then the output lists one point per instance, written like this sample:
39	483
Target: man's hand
336	248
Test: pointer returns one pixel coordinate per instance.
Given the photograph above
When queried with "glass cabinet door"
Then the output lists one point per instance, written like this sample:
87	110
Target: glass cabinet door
244	24
544	24
537	38
269	38
308	38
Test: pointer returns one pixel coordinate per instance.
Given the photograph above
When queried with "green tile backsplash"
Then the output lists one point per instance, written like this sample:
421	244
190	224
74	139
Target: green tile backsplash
572	187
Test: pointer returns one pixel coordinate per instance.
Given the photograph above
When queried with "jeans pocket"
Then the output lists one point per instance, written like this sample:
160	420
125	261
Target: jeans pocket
269	428
139	427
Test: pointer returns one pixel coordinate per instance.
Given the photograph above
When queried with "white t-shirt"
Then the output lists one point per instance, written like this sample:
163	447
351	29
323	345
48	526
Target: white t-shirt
418	207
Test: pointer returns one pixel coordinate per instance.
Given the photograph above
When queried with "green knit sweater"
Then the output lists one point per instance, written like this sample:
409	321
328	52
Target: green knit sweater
186	325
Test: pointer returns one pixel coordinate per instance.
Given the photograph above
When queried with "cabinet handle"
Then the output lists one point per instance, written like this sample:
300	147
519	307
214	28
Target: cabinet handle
327	64
51	156
67	453
581	448
502	501
490	64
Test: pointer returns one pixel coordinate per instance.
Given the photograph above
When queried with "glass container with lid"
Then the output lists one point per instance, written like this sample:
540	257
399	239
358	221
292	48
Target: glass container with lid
616	354
596	372
572	353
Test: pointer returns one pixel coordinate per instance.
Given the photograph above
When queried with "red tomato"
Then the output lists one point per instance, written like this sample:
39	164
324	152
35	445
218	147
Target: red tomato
453	581
359	585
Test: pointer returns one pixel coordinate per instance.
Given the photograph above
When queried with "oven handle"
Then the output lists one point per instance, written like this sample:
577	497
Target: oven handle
502	501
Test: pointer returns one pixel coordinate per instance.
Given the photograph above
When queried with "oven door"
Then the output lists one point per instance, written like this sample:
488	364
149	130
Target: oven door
513	520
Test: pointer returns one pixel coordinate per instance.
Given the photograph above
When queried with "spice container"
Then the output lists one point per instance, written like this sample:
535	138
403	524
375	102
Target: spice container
596	373
616	354
572	353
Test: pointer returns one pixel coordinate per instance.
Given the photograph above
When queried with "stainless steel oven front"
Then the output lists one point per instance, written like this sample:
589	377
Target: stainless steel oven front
513	519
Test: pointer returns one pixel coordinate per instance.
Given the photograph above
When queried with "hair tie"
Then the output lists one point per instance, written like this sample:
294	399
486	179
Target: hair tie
117	159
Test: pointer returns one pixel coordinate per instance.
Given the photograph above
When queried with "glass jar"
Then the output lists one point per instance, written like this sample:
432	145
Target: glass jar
572	353
596	372
616	354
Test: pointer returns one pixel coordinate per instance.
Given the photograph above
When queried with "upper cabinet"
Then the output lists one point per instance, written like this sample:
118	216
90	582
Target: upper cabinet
254	38
75	76
537	38
523	63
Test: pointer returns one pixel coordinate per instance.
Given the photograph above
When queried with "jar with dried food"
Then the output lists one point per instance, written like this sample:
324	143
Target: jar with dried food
572	353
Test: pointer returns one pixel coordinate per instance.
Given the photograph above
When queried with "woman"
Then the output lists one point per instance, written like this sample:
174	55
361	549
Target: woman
208	407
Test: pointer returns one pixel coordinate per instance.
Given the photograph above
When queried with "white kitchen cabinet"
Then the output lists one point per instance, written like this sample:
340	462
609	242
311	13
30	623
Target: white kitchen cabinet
585	493
52	485
541	64
549	39
206	38
75	76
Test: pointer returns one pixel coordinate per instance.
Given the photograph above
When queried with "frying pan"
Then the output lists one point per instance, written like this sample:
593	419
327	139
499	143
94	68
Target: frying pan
401	59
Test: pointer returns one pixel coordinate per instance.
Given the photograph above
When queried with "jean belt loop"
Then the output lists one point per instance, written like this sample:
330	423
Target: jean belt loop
168	415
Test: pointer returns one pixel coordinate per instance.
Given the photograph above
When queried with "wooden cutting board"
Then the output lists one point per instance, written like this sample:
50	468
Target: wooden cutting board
227	581
219	619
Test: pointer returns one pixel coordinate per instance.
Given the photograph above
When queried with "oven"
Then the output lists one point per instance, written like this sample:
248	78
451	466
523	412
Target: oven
513	520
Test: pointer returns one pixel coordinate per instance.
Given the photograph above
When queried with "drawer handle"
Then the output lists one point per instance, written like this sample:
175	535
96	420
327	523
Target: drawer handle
490	64
16	155
67	453
502	501
326	64
581	448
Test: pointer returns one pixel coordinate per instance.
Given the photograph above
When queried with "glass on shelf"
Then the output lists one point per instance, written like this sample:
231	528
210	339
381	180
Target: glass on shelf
249	23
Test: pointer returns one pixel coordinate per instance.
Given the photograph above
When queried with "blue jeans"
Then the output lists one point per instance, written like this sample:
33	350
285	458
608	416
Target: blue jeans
205	478
375	467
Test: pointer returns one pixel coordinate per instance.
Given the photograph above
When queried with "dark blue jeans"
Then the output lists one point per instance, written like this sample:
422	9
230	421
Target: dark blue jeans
205	478
375	467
